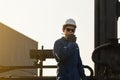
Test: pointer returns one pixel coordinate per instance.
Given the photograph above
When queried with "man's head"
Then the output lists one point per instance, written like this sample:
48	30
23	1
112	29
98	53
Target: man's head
69	27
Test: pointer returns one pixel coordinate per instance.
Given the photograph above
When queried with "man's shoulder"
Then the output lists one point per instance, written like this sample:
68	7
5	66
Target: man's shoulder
60	39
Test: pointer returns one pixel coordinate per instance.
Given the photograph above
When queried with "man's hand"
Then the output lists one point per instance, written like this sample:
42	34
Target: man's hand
71	38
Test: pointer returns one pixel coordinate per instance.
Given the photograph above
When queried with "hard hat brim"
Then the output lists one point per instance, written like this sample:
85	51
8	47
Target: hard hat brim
65	25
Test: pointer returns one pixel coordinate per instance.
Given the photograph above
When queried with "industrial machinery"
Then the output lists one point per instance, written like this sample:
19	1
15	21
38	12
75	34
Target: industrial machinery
106	55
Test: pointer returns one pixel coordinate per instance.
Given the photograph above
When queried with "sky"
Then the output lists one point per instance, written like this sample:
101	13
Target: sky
42	21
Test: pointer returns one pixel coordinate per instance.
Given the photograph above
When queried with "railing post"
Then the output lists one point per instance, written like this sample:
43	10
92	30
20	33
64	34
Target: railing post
41	67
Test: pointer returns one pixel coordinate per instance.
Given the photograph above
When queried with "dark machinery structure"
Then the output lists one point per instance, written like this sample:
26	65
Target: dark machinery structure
106	55
107	49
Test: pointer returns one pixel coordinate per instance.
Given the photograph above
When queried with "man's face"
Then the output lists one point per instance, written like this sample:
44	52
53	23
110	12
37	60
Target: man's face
69	30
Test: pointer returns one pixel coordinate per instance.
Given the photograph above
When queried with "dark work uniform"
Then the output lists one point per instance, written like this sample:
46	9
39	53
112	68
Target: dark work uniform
69	63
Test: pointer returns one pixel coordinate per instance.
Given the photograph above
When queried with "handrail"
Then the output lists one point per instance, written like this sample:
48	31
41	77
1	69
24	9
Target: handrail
90	69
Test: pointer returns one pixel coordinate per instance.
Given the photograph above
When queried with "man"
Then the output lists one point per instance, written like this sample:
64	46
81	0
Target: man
66	52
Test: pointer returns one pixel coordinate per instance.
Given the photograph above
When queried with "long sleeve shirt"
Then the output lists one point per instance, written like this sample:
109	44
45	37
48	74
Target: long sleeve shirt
69	62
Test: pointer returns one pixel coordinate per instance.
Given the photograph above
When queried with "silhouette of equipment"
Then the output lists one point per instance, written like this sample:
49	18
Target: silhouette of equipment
107	56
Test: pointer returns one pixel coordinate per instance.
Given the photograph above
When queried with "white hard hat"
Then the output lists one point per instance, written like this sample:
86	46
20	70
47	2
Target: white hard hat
70	22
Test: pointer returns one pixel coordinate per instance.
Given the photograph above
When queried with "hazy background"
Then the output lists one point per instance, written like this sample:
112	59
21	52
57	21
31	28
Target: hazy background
42	21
